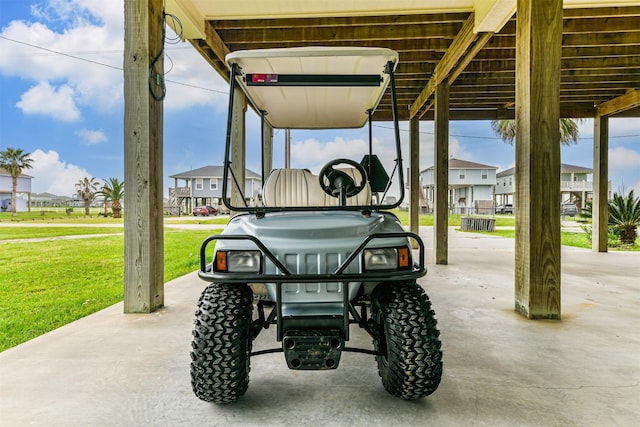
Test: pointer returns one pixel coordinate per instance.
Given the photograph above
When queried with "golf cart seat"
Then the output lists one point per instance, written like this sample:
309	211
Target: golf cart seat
290	188
301	188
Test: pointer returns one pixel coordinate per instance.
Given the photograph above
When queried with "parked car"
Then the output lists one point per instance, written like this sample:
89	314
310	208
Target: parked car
204	211
505	209
568	209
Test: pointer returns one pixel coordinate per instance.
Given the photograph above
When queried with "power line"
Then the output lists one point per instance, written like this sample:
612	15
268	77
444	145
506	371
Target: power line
61	53
113	67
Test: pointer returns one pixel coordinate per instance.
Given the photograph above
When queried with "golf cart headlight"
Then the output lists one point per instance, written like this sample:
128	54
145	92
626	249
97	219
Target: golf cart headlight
238	261
386	258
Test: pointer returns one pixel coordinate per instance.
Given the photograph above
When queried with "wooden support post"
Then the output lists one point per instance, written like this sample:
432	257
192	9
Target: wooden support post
414	176
143	221
537	263
441	175
600	202
238	147
267	150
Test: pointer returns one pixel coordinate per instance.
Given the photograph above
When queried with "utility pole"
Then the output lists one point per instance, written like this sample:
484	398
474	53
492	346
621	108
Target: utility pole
287	148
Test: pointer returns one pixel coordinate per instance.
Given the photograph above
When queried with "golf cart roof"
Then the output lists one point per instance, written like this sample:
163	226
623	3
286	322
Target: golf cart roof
314	87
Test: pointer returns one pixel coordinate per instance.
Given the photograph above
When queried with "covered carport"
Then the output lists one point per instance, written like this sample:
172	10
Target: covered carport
464	59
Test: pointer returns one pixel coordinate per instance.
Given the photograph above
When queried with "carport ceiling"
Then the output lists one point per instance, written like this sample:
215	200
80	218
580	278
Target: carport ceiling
470	42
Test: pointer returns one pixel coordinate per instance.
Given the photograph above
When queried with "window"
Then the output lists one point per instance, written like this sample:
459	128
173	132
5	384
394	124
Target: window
199	184
461	174
485	174
510	181
213	184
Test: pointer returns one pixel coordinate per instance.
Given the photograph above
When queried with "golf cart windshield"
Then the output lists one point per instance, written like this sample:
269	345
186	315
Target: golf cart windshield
316	88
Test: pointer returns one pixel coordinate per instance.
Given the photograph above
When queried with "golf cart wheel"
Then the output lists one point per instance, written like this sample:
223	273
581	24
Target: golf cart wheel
222	343
408	339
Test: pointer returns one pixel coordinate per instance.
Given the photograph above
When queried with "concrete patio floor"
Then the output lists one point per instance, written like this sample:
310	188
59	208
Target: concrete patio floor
500	369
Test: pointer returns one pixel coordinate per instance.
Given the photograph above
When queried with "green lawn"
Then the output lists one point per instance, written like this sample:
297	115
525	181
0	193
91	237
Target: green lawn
10	233
567	238
47	284
454	220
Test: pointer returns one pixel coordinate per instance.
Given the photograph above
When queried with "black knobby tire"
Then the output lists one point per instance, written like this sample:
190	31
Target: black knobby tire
408	338
222	343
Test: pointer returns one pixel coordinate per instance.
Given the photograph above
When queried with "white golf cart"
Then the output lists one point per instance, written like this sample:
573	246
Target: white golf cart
321	252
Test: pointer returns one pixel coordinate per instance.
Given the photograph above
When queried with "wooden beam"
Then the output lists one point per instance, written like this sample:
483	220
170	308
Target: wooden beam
414	176
600	202
629	100
537	261
441	176
469	55
143	111
457	50
609	24
340	21
459	55
217	45
601	12
400	45
504	40
353	32
210	56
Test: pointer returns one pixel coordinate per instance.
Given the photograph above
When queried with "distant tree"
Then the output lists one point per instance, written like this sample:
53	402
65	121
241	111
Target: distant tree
14	161
506	129
87	188
624	216
114	191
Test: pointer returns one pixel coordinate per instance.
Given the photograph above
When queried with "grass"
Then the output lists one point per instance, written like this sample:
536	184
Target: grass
47	284
454	220
567	238
50	214
10	233
205	220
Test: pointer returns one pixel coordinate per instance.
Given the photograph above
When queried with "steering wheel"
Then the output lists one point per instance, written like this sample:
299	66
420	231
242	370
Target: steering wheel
340	184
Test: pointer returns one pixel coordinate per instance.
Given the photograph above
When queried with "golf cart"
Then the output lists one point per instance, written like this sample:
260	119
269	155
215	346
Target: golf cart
317	253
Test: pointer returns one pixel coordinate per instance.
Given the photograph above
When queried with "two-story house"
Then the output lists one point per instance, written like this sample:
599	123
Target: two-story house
203	186
576	185
471	186
23	188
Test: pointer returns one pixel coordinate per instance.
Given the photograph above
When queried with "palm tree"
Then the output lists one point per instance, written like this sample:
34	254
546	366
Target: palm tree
87	189
506	129
114	191
624	217
14	161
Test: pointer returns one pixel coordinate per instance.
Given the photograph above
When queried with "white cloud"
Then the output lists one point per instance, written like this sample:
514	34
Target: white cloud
52	175
61	31
621	157
618	126
46	100
94	85
92	137
457	150
624	126
191	80
313	154
90	30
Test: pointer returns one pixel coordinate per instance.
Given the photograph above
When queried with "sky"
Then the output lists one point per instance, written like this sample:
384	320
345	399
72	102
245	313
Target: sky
61	100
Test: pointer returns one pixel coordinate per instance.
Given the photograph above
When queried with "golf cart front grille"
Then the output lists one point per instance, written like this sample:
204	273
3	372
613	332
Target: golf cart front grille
347	270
